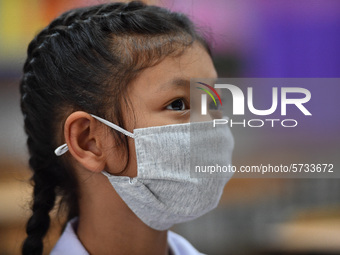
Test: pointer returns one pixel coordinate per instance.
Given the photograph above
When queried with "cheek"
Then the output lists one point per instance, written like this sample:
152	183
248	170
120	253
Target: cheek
131	169
124	161
118	162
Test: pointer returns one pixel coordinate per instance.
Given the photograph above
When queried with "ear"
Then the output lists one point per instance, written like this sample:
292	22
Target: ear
86	140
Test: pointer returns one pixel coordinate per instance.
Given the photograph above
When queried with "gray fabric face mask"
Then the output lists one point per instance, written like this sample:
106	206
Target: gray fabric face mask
164	193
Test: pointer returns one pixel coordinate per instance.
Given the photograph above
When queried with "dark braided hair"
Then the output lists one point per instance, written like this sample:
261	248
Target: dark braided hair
84	60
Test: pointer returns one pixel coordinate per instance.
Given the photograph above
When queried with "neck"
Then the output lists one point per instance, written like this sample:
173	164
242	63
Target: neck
107	226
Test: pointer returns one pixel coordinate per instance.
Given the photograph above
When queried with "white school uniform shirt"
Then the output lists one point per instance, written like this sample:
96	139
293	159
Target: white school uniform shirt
69	244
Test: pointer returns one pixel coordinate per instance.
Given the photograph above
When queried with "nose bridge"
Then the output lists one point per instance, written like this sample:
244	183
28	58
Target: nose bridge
196	116
198	101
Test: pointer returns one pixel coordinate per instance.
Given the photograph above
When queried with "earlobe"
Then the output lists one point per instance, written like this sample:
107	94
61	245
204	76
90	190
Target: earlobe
84	141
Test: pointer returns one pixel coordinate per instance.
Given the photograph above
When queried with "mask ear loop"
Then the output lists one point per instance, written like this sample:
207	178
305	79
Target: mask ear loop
64	148
61	150
114	126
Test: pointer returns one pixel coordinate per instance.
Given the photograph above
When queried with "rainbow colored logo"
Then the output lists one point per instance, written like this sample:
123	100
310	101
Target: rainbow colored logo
209	93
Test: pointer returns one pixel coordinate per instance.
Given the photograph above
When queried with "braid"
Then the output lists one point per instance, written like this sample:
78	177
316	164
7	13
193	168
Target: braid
47	172
84	60
39	222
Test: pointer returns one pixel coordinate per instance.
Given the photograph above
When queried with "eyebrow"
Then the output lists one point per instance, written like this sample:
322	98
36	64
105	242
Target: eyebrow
176	82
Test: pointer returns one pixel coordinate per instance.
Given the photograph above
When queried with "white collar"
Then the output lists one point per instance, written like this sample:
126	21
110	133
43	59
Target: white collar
69	244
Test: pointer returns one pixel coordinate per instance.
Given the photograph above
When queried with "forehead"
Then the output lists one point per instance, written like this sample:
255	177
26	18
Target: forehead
174	72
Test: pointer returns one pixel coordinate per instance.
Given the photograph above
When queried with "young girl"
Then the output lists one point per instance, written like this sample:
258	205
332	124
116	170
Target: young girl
129	64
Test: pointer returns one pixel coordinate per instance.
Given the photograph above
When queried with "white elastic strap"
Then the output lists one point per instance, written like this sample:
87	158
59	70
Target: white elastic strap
64	148
114	126
61	149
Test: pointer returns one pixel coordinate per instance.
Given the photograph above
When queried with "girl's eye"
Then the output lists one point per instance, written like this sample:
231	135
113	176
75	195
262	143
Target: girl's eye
177	105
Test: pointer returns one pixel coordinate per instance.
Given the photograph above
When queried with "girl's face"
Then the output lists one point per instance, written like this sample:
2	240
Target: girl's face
160	95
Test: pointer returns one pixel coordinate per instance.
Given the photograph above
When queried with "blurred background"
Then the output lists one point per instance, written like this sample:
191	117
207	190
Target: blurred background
250	38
